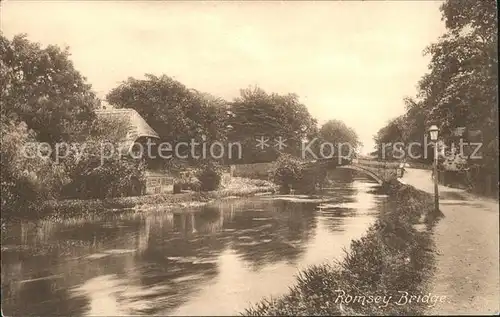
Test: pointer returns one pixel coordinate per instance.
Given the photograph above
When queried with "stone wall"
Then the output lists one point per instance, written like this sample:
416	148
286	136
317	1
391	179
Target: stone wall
256	170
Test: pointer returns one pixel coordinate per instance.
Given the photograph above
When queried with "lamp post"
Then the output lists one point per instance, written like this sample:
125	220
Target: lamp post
434	131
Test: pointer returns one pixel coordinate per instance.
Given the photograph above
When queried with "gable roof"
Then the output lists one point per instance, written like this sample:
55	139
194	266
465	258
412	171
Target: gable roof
138	127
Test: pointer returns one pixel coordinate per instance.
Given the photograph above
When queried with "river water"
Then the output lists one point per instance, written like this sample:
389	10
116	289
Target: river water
211	260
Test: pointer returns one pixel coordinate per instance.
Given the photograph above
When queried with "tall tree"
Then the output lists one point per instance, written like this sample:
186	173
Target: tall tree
174	111
41	87
257	114
460	89
344	138
391	139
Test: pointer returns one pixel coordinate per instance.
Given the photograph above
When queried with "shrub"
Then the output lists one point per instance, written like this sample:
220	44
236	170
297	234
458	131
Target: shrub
187	180
99	174
210	177
93	177
26	178
260	182
288	170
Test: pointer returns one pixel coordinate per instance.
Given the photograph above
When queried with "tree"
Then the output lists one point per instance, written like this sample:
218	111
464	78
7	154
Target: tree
344	138
27	176
390	138
460	89
270	116
288	172
175	112
41	87
95	175
211	113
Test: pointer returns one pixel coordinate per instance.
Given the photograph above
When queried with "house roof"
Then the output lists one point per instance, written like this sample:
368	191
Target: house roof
138	127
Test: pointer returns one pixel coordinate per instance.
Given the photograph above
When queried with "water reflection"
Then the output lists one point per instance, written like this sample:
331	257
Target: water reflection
214	259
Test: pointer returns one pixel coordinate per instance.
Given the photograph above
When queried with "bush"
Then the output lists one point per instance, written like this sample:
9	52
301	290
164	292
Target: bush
26	178
193	185
210	177
287	170
187	181
290	173
96	174
92	177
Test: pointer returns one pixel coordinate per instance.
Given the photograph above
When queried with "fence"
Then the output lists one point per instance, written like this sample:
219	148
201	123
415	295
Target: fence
157	183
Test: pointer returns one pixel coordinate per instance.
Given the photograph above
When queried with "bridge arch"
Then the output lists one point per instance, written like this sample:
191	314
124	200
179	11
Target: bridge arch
365	171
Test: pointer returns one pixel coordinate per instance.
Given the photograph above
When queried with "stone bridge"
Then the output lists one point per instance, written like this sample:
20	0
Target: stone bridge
380	171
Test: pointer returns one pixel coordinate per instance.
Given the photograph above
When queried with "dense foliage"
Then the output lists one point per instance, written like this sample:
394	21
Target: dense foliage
174	111
95	176
288	172
117	177
258	114
26	177
460	89
177	113
210	177
206	177
181	114
45	99
41	87
344	138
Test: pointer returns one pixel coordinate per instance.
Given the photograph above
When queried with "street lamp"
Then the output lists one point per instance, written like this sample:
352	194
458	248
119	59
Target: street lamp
434	131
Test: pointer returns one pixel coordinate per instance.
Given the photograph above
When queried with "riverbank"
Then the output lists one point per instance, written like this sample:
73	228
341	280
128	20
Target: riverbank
380	272
236	187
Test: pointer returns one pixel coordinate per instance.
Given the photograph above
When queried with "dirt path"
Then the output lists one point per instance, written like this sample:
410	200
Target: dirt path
467	242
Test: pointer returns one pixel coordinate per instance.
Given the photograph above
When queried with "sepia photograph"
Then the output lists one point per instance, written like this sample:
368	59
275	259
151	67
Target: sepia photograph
249	158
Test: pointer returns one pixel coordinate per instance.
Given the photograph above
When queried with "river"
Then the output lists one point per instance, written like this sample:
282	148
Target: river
211	260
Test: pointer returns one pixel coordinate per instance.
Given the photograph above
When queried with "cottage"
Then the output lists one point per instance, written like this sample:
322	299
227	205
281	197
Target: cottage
139	132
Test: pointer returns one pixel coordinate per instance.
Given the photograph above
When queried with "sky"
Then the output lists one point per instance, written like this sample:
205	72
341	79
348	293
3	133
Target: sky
353	61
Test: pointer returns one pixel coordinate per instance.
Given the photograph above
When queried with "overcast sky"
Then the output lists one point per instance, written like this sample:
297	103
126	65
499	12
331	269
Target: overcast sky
347	60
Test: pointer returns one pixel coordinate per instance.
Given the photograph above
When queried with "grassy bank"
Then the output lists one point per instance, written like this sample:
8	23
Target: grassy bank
391	259
236	187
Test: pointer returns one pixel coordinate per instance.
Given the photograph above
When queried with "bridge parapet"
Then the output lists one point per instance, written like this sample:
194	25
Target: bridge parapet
374	163
381	171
